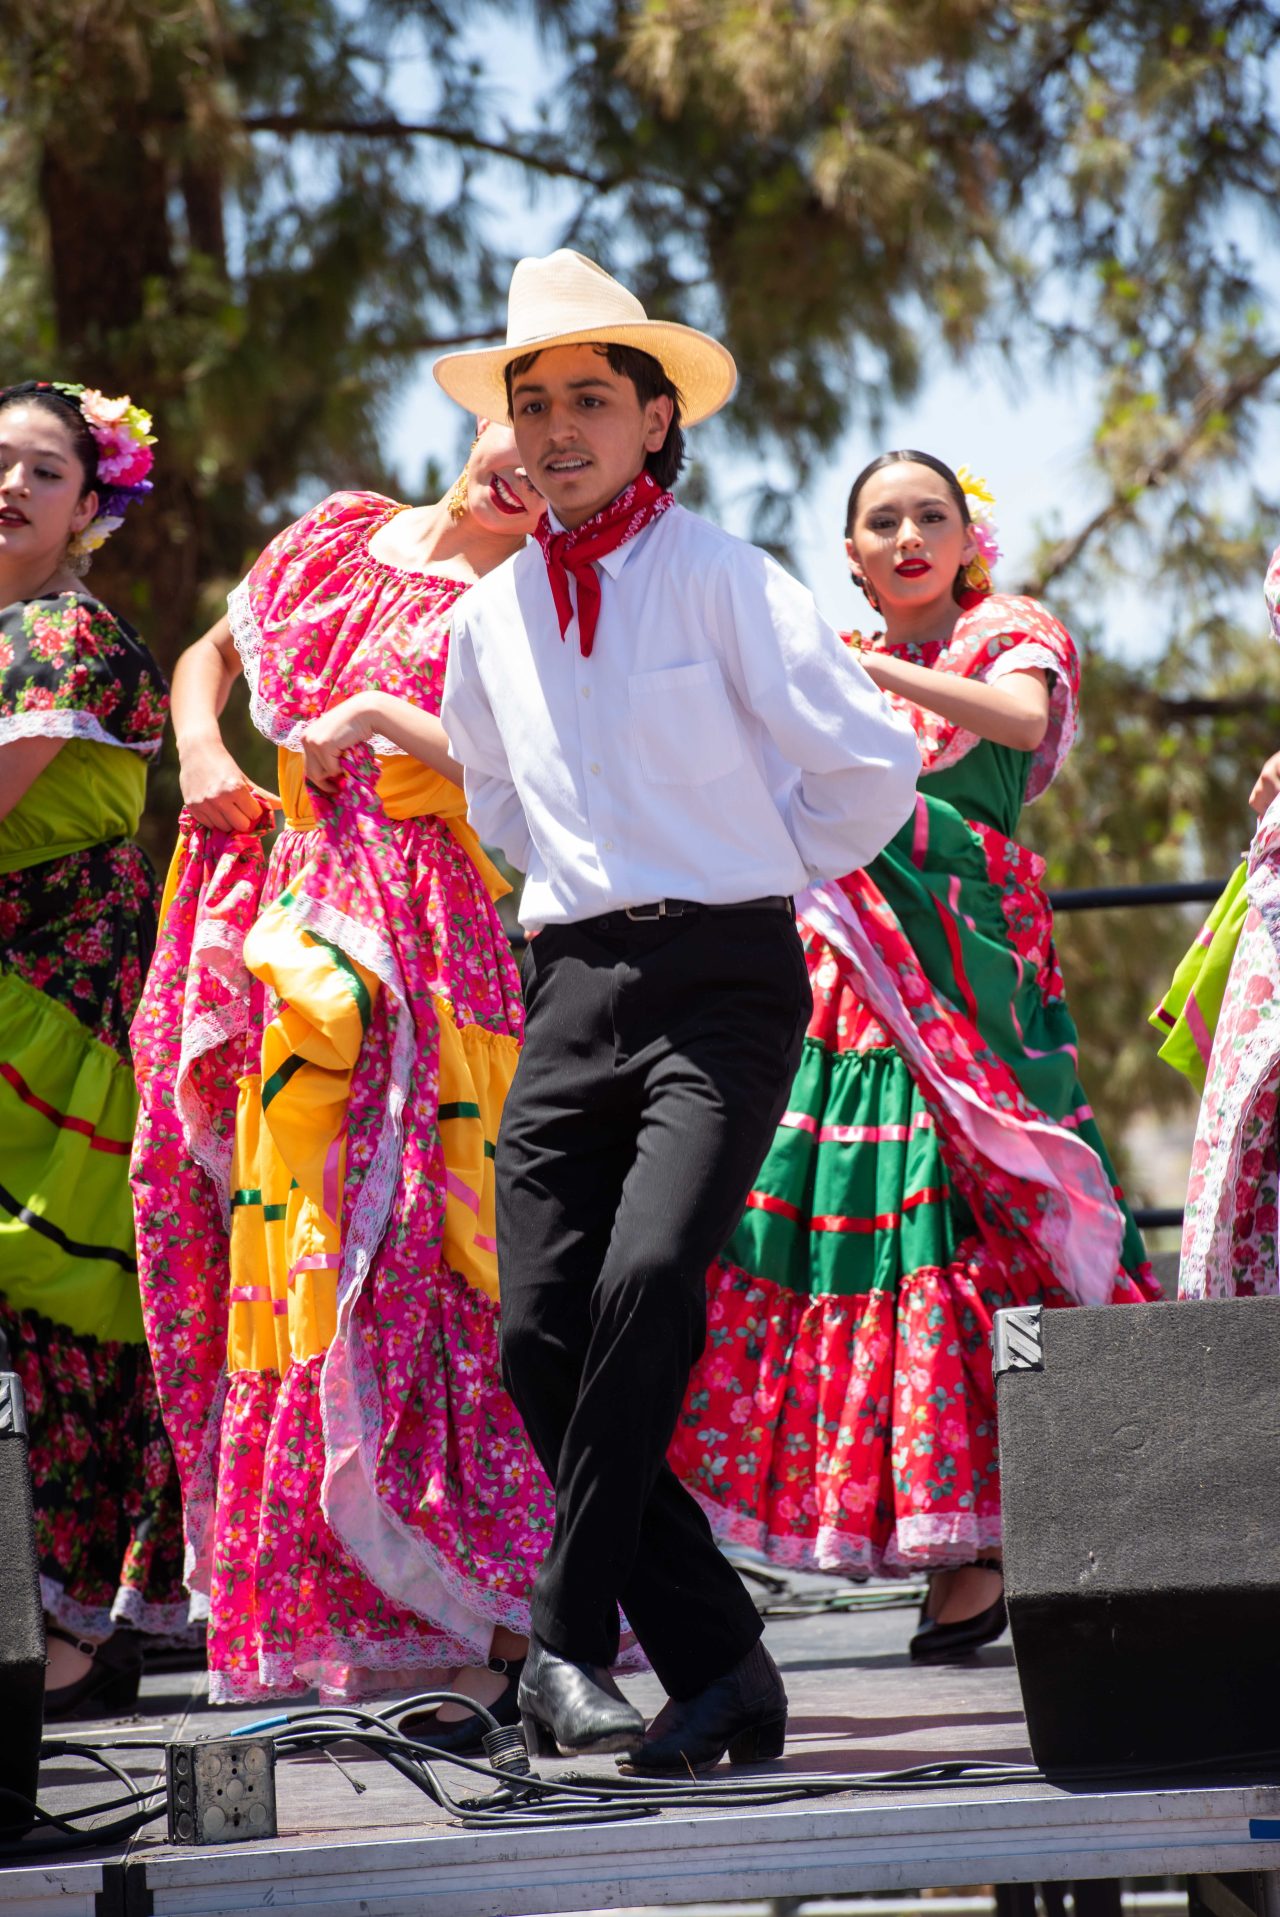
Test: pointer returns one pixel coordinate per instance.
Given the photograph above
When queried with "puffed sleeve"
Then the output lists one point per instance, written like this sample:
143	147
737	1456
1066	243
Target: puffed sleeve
70	669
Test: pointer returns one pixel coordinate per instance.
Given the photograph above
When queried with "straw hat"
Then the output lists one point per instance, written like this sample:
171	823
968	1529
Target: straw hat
567	300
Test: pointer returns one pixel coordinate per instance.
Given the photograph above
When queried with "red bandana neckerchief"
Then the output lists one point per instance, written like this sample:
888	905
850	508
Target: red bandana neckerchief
574	553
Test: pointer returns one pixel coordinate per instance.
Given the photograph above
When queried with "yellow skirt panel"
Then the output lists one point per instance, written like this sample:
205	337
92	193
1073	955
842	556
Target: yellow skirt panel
476	1069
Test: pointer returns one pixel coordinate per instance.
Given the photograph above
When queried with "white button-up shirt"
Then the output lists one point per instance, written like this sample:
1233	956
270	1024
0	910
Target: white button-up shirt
721	743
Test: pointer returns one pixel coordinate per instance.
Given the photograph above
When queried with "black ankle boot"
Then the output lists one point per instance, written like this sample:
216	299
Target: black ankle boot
573	1708
744	1712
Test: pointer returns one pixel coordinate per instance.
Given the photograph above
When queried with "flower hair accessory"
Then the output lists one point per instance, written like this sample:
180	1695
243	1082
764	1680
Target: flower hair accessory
124	440
975	581
981	503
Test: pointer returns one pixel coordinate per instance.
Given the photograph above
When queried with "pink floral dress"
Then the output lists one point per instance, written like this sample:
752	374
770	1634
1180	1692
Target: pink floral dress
1231	1227
322	1050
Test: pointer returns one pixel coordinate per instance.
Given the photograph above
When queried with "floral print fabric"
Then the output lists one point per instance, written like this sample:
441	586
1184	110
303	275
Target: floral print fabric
69	668
1004	633
82	930
107	1510
319	619
372	1510
1230	1229
938	1162
76	935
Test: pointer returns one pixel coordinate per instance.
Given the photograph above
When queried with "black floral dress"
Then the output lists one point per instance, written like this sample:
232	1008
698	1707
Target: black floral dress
77	925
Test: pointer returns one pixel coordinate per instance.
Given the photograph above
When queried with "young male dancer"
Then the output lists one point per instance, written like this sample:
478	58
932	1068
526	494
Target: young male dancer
657	727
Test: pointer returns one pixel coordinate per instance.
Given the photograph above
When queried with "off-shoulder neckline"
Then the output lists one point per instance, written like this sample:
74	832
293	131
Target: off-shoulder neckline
405	572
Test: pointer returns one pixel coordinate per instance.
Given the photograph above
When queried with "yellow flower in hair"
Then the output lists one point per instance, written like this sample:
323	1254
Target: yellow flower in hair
976	489
981	503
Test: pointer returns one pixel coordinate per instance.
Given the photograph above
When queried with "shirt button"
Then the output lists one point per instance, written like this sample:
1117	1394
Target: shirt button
608	845
586	692
595	768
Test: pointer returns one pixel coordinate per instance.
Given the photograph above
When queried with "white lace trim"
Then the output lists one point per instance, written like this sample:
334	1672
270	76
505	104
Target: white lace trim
128	1607
215	948
347	1670
199	1505
250	643
47	723
916	1544
353	1671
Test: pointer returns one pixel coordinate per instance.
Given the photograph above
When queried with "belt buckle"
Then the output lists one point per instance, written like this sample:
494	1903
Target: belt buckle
646	914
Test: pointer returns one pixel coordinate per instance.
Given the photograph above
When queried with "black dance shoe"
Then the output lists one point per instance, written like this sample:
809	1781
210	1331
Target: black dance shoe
936	1643
744	1712
464	1736
573	1708
109	1685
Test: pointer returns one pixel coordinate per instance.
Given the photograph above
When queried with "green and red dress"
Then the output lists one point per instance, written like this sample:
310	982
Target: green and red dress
937	1162
77	924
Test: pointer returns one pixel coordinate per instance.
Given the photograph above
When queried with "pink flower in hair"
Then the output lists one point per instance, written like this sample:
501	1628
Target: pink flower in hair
984	538
126	466
101	411
123	436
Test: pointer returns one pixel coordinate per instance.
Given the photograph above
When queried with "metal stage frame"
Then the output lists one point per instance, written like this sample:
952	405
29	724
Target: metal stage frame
857	1704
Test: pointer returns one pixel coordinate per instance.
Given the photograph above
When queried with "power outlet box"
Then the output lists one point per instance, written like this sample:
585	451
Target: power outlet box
222	1790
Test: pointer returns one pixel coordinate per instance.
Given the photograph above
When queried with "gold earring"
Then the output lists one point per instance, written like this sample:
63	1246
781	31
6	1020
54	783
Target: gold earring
456	498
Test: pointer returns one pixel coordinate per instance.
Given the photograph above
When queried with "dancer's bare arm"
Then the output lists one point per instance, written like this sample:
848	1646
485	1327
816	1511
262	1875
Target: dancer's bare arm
357	719
1013	712
216	792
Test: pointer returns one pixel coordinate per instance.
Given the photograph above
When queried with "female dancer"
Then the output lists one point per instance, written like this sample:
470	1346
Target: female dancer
938	1160
82	708
1226	1017
323	1049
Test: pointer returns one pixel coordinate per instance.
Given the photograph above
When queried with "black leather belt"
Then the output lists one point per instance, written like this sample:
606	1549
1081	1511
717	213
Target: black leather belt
677	908
652	914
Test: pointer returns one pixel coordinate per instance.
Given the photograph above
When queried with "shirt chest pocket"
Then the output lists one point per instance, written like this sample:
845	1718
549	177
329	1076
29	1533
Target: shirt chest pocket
686	732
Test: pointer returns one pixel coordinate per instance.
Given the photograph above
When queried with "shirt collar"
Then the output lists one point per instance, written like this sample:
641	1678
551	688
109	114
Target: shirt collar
612	562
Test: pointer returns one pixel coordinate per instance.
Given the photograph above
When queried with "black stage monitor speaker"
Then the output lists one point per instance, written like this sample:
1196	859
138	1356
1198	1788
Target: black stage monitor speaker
22	1646
1140	1463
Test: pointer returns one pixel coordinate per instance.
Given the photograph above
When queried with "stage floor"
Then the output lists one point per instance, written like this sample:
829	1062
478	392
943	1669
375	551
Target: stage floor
857	1704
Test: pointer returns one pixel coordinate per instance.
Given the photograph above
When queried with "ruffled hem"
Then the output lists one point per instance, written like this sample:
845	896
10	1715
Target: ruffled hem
930	1544
104	1487
428	1541
854	1434
129	1608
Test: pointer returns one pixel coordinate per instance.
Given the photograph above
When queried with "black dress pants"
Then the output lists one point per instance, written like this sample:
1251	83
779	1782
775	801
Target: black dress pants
658	1058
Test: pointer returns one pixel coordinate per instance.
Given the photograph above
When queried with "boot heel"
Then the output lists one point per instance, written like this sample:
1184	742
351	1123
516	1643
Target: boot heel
759	1742
538	1739
120	1692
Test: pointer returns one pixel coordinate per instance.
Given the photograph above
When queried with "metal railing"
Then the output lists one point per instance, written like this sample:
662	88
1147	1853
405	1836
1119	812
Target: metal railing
1092	898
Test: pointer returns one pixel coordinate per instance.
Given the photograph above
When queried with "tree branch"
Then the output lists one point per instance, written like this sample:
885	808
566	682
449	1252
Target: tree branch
434	342
1236	706
295	124
1214	402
